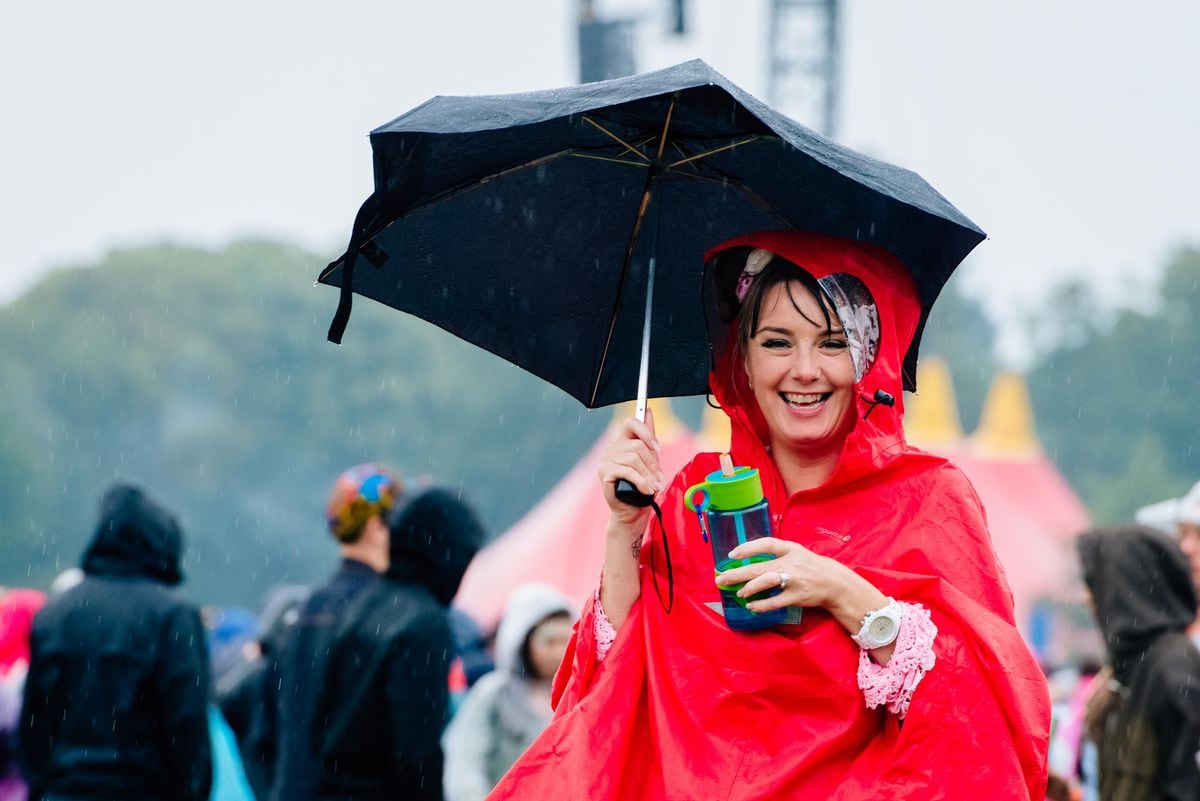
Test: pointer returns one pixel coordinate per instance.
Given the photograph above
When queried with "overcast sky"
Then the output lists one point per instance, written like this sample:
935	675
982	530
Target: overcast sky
1067	130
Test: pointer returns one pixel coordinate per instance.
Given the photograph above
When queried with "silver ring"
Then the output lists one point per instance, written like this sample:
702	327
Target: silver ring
784	578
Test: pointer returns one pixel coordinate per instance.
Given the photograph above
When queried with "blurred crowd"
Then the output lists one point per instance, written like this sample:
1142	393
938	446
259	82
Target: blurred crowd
371	685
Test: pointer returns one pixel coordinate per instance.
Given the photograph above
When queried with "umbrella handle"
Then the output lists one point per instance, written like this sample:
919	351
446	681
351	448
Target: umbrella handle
631	496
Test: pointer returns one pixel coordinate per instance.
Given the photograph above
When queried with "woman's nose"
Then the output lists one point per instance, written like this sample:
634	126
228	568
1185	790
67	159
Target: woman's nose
805	367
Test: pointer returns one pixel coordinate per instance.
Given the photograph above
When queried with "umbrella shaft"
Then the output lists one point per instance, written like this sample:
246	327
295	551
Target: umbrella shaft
644	368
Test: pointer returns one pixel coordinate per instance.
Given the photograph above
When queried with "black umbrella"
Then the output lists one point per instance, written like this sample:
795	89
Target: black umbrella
558	229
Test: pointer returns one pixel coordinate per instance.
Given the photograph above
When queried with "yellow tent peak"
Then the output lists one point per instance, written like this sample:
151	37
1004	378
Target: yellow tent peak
1006	425
715	430
931	415
667	426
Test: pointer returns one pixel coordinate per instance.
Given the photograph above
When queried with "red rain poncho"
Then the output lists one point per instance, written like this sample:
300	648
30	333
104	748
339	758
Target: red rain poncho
683	707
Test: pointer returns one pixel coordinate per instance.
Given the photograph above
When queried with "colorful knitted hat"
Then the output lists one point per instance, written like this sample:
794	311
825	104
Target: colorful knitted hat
359	494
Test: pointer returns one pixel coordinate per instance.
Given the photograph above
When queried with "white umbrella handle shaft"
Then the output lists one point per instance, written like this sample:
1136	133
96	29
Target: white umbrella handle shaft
644	368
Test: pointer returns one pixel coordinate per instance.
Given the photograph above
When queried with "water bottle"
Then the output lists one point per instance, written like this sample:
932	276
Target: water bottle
732	510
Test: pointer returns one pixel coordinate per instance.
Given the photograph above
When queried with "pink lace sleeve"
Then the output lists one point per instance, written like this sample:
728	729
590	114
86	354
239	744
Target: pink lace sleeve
602	627
893	684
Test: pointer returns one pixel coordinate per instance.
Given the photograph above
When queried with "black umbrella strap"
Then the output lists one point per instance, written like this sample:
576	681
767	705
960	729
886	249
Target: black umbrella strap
670	602
368	216
337	326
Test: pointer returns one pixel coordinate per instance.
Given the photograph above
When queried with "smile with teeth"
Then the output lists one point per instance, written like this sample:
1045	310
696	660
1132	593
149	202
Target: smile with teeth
802	399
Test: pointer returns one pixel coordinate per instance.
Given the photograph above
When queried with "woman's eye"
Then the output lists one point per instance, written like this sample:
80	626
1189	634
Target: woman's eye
835	344
773	344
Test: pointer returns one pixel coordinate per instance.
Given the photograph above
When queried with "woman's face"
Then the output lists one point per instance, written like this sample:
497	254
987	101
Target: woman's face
548	643
1189	543
801	373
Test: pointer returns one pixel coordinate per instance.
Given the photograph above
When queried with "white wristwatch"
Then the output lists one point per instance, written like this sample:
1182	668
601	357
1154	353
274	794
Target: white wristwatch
880	627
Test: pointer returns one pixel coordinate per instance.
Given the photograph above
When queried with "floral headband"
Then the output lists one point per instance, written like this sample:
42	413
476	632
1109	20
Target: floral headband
852	303
755	262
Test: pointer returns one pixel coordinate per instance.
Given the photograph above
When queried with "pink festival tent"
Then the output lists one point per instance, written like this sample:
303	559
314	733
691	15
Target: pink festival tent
561	540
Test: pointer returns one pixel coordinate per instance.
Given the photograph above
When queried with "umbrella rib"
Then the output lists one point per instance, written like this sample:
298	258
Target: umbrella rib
612	323
453	193
682	152
662	143
641	164
533	163
627	146
718	150
726	181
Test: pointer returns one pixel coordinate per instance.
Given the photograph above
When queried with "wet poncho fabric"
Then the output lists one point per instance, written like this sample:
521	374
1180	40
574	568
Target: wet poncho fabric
682	707
1149	732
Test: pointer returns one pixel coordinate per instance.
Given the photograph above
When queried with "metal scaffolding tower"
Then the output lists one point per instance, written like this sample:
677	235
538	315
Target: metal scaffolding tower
606	46
803	53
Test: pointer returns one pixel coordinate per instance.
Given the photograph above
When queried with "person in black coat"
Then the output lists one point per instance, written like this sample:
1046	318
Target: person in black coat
361	499
1145	716
379	722
115	700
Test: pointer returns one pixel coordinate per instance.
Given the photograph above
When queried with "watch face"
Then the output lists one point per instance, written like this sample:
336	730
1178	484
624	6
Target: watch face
881	628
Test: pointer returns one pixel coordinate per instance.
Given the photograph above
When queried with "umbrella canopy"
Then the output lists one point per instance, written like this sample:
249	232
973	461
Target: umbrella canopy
530	224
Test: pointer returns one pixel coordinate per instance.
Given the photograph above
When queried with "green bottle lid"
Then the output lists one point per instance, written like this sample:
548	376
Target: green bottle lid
725	493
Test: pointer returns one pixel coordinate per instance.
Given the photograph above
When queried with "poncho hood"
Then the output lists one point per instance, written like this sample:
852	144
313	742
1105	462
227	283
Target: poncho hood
878	436
135	538
1141	586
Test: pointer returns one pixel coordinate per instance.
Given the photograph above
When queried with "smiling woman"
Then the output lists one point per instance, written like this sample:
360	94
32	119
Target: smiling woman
906	617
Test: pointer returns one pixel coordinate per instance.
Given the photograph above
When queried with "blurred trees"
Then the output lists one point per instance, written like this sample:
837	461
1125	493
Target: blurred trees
1117	393
206	377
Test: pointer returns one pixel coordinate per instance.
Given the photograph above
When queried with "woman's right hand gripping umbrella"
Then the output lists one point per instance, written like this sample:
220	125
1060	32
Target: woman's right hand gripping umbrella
633	456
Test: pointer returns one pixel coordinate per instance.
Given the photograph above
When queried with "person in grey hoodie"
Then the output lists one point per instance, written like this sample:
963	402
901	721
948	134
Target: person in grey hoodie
507	709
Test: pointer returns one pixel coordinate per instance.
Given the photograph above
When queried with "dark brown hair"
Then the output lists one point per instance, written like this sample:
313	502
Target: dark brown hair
779	271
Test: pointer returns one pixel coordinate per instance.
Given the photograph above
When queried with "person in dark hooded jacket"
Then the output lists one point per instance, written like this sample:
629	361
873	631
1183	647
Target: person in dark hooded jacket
1145	719
386	698
357	514
115	700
